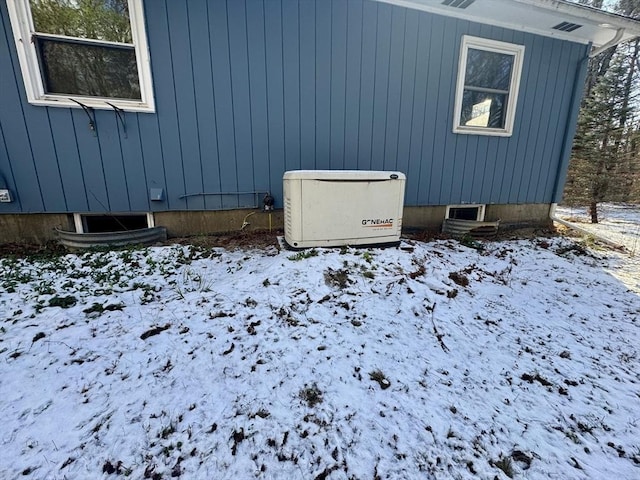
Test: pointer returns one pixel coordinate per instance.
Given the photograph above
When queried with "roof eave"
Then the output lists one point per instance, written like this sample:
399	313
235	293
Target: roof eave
604	26
586	12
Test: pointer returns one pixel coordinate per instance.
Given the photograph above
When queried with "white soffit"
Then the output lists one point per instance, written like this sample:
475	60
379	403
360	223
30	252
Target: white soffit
535	16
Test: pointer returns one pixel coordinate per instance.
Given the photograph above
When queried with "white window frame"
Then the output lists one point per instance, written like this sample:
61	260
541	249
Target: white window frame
23	29
78	219
517	51
479	215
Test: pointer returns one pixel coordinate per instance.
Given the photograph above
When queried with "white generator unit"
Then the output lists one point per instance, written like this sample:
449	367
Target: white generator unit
328	208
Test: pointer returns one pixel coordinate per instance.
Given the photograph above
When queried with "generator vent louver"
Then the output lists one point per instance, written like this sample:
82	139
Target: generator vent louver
458	3
566	27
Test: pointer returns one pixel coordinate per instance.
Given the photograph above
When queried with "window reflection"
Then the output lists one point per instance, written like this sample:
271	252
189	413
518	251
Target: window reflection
488	69
106	20
85	48
486	88
481	109
89	70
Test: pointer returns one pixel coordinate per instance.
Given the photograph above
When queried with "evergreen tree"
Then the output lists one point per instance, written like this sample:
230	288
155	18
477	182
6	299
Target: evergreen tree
604	164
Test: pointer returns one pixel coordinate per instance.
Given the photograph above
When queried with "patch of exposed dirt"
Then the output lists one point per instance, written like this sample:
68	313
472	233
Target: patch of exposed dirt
504	233
233	240
154	331
20	250
263	238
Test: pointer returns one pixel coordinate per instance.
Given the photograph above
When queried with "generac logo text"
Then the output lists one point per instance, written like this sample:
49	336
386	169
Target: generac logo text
377	222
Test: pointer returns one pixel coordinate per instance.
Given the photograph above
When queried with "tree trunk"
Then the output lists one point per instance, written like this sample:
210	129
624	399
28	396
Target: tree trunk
628	84
593	210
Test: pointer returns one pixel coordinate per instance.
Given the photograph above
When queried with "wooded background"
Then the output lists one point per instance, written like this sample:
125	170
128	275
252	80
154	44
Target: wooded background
605	160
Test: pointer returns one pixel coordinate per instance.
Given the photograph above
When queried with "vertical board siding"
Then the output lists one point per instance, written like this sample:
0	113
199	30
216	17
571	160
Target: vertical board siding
569	70
353	81
538	162
241	96
307	58
292	157
159	32
133	161
323	92
512	162
71	170
186	101
206	121
531	116
152	157
281	144
259	84
527	123
219	47
17	143
458	167
337	140
438	105
112	162
423	82
407	93
382	44
247	89
7	178
90	153
367	84
44	154
394	88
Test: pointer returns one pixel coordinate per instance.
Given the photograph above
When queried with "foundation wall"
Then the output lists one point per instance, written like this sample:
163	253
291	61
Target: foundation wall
39	228
184	224
33	227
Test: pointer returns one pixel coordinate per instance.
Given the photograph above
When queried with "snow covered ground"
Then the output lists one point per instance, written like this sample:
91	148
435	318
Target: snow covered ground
433	360
618	223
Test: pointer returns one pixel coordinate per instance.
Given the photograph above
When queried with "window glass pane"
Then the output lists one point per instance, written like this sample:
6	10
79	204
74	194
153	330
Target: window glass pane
488	69
480	109
95	19
465	213
92	70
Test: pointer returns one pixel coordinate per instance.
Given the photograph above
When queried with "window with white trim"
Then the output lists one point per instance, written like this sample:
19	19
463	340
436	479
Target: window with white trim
487	88
112	222
91	51
465	212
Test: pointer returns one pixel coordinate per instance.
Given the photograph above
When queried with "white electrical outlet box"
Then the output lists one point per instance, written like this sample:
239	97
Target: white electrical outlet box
5	195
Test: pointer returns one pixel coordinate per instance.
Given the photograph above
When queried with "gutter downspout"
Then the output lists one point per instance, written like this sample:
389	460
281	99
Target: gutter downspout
614	41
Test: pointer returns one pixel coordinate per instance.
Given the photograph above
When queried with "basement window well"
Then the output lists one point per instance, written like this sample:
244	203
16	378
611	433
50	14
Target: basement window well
465	212
117	222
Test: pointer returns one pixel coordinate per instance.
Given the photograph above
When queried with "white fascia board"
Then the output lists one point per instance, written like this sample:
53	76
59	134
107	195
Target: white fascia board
585	12
598	27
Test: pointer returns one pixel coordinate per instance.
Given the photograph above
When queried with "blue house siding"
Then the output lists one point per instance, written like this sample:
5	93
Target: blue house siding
247	89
